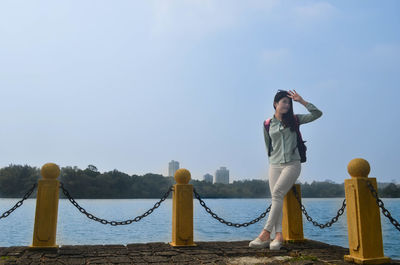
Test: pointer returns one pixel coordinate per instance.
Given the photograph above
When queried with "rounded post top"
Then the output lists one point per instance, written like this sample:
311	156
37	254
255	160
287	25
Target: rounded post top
358	168
50	171
182	176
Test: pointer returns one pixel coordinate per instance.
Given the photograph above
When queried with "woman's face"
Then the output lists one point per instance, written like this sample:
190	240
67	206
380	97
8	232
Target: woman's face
283	106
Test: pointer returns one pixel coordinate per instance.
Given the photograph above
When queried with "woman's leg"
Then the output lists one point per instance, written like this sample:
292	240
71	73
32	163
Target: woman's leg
273	175
286	179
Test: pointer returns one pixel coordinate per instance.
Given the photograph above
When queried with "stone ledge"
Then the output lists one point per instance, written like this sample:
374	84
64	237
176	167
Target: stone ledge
234	253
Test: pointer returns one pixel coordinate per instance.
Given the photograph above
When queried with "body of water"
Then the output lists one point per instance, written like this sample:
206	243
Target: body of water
75	228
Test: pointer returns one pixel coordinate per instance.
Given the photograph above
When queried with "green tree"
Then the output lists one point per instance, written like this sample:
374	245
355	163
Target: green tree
16	180
390	191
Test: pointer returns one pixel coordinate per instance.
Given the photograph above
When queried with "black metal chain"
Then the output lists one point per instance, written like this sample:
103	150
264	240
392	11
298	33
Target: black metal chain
19	204
382	206
221	220
309	218
114	223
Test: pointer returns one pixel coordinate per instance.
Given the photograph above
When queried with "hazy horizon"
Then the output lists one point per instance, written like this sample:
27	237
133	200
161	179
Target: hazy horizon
394	181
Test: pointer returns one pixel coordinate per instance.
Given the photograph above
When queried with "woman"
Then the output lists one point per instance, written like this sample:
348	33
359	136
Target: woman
284	160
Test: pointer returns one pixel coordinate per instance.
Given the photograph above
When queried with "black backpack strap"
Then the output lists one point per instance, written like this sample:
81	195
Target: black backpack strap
300	143
298	127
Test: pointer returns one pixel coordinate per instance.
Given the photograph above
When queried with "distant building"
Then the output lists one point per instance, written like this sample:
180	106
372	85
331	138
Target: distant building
222	175
208	178
173	166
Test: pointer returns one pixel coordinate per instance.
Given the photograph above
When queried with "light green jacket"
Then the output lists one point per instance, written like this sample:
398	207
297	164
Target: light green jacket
284	141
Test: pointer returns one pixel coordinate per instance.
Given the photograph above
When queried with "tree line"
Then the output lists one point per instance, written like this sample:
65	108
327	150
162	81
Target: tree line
89	183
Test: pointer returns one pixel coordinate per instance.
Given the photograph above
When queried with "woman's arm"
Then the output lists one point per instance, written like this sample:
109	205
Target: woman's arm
267	140
315	113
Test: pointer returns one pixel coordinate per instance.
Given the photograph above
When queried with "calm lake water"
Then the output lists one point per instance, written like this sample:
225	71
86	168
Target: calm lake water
75	228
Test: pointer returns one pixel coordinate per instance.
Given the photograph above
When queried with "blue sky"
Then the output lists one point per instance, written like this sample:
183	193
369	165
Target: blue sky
131	85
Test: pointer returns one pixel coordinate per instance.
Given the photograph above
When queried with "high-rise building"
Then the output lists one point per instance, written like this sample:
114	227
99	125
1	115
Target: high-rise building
173	166
222	175
208	178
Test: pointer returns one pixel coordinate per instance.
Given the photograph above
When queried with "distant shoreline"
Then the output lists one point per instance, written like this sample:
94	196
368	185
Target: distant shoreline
16	180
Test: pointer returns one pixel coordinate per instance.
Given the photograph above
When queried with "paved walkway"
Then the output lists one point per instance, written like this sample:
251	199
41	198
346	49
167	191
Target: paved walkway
309	252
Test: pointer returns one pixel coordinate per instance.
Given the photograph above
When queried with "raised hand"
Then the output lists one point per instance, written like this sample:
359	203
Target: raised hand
293	95
296	97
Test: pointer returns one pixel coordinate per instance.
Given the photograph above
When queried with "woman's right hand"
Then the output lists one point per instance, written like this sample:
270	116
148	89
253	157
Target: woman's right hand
296	97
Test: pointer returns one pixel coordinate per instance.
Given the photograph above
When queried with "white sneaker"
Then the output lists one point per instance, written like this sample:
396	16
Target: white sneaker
258	243
275	245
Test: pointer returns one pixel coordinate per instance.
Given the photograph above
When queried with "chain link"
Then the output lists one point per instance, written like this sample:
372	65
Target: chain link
19	204
382	206
114	223
221	220
309	218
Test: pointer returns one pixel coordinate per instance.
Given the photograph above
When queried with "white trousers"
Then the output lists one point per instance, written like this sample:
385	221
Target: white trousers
281	179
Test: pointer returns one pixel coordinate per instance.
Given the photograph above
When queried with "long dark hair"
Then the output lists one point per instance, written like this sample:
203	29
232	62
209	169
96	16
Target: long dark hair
287	118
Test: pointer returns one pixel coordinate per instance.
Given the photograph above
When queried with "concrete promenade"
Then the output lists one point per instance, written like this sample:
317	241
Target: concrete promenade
238	252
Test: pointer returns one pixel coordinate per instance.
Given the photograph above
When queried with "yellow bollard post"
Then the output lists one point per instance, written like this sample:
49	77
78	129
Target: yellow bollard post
44	233
363	218
182	210
292	221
